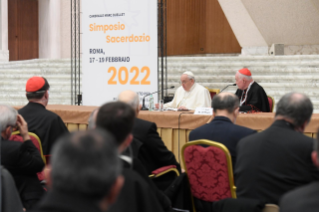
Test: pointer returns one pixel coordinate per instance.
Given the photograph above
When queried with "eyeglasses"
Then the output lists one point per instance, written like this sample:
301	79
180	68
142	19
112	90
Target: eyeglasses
184	82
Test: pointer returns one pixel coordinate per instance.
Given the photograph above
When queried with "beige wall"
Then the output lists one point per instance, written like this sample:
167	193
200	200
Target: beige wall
54	29
258	24
65	29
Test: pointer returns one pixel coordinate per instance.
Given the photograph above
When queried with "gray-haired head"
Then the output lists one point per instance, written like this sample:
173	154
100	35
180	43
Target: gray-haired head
131	98
92	119
8	116
225	101
296	107
85	163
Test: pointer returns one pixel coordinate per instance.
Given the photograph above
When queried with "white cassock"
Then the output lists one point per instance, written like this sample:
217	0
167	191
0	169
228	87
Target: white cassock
197	96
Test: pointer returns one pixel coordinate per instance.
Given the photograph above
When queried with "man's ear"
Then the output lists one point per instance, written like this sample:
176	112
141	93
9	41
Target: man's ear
129	139
314	157
47	175
302	127
7	132
115	190
126	143
46	94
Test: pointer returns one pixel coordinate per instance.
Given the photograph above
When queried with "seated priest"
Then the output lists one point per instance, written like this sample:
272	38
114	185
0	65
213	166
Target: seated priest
190	95
252	96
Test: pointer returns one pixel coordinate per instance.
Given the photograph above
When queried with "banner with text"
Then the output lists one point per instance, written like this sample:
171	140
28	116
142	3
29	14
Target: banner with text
119	46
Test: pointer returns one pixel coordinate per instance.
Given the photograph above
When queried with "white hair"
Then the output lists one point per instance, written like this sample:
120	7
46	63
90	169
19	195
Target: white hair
8	116
244	76
190	75
135	102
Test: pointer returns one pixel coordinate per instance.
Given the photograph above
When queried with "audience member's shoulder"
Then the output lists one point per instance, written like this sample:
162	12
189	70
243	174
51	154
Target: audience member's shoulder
304	195
245	130
143	123
51	114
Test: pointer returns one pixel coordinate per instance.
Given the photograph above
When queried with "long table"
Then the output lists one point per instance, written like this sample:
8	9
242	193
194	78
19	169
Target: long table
173	127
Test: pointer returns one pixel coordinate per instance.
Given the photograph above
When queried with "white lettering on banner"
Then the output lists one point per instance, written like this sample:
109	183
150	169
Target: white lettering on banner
203	111
120	47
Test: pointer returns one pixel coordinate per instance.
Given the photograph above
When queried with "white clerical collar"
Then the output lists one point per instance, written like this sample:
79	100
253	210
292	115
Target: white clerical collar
126	158
241	99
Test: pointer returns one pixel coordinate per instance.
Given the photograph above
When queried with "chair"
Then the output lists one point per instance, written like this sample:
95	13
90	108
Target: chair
164	170
271	208
213	91
35	140
271	101
15	136
209	170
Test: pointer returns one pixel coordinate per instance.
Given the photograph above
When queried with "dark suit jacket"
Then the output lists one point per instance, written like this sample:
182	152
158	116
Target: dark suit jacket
44	123
23	161
140	169
10	198
274	162
59	201
303	199
136	194
222	130
153	153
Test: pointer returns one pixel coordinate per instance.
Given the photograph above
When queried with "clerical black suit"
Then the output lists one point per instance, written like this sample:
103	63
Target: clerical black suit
61	201
222	130
257	99
45	124
140	169
136	195
153	153
303	199
23	161
274	162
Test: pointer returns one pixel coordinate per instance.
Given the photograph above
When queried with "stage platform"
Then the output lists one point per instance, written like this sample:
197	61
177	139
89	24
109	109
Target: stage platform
173	127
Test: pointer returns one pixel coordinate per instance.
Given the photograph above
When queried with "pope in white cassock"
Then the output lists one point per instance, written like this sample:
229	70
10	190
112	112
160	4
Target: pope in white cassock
190	95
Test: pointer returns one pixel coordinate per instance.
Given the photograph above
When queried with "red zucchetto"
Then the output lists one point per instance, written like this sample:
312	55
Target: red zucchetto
34	84
245	72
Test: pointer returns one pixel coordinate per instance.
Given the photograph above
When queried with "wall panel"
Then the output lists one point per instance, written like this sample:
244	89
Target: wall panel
23	29
198	27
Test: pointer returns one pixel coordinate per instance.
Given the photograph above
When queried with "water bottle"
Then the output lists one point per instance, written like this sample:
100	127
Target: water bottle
151	102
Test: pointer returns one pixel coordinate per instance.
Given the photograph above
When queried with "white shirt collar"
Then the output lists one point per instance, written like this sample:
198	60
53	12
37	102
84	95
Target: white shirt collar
126	158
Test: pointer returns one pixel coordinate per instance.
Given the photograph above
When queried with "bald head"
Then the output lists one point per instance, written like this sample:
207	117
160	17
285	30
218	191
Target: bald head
131	98
296	107
225	102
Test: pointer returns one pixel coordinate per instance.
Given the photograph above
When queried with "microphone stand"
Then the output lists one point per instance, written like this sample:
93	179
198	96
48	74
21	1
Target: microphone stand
143	101
227	87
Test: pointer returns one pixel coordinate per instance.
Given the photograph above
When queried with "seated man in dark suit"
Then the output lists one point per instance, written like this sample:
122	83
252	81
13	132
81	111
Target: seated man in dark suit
277	160
153	153
138	193
85	174
304	198
45	124
222	128
22	160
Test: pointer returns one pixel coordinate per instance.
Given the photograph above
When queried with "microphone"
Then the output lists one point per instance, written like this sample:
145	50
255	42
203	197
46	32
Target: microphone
227	87
143	103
